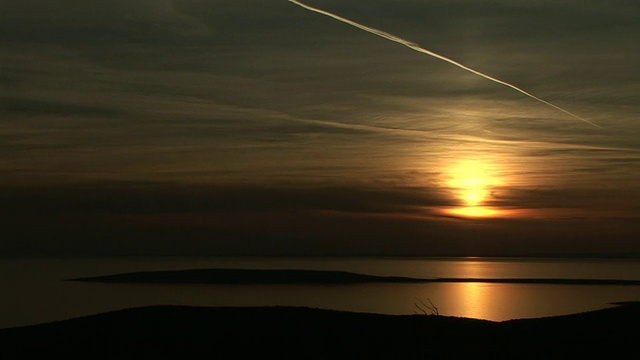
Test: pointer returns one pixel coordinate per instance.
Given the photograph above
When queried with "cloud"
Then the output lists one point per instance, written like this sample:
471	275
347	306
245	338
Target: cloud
25	106
422	50
160	219
74	22
149	198
298	132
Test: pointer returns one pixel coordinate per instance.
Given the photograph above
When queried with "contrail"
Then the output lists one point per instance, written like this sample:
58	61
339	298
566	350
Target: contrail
420	49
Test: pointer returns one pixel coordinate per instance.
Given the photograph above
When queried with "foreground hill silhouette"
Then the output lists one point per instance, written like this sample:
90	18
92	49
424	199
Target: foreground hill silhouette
178	332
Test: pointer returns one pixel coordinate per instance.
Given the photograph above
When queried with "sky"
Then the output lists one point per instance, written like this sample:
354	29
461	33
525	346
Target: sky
258	127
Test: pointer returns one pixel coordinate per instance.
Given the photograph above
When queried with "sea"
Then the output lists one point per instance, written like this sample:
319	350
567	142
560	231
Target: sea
38	291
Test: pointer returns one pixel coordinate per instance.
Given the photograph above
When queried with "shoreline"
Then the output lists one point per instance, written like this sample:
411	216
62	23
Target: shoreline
310	277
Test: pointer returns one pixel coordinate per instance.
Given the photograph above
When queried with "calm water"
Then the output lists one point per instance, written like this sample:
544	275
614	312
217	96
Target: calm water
33	291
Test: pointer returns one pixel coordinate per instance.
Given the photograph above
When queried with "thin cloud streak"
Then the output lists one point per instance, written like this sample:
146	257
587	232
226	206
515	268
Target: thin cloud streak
438	134
420	49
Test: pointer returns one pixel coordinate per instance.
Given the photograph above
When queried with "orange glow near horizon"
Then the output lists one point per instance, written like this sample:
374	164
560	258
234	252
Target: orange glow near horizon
475	211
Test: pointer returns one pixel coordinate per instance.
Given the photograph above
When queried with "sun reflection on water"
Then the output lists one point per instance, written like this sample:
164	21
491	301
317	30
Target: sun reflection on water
475	299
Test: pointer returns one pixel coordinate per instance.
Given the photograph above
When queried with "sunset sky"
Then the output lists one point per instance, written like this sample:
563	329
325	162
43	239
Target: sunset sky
257	127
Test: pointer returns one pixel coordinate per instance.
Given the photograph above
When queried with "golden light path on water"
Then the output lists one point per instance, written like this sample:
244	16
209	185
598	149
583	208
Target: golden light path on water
480	300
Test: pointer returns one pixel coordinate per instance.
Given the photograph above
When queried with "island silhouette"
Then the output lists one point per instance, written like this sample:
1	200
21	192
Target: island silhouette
295	276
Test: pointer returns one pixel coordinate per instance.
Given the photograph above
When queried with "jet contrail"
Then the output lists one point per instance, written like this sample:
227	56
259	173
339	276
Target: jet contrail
420	49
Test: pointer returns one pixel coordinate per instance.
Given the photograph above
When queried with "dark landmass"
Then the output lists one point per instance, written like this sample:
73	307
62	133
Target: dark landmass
246	276
177	332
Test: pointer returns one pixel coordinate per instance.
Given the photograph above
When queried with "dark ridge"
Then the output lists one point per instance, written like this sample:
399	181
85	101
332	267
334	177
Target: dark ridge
246	276
178	332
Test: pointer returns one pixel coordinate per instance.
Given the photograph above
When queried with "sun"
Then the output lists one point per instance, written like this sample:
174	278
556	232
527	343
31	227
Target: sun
472	182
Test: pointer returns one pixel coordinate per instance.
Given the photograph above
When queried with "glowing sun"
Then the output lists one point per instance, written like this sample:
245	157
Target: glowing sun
472	181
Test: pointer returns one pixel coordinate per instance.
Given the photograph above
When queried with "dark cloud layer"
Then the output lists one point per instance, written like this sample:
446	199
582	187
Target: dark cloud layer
146	219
